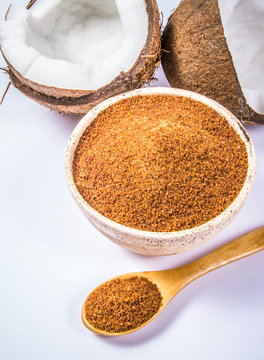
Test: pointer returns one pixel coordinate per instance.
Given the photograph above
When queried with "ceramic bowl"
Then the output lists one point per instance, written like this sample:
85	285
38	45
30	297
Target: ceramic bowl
160	243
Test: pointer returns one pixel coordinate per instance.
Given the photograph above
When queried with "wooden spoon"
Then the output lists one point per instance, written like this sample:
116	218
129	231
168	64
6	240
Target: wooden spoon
170	282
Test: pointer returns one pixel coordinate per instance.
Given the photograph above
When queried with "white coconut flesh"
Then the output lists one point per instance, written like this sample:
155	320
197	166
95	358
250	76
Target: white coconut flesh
243	23
74	44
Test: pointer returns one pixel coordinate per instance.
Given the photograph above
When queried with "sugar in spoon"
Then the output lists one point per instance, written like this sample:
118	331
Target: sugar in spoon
128	302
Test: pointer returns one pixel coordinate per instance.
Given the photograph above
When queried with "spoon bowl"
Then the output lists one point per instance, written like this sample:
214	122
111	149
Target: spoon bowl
170	282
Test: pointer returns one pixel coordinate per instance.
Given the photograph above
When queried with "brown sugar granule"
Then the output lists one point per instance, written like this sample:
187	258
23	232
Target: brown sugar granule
122	304
160	163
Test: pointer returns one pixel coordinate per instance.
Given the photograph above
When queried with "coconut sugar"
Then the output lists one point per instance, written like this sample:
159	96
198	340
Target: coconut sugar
122	304
160	163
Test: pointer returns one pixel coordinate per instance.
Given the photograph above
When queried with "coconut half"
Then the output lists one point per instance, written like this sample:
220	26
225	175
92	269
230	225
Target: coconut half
216	48
70	55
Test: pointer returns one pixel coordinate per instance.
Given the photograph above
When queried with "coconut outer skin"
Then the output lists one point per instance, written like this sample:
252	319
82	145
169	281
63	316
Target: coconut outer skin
81	101
196	57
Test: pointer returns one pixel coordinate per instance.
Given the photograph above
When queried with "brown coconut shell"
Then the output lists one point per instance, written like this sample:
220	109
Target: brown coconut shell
81	101
196	57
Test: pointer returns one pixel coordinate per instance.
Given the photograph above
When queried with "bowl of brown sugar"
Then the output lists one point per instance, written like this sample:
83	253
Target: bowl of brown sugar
159	171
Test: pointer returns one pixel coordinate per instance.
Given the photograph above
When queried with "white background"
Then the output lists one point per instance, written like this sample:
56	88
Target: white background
51	258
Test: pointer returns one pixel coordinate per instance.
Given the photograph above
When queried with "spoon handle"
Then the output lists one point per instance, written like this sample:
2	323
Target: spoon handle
239	248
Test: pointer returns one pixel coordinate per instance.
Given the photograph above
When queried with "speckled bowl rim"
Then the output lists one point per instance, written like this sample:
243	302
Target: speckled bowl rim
125	230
